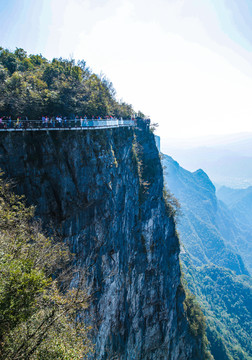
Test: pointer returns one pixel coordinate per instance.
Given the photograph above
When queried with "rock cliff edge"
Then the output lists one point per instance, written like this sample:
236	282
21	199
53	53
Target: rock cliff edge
102	191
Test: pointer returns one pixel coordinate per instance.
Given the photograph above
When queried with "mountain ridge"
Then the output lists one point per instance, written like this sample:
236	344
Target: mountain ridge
212	268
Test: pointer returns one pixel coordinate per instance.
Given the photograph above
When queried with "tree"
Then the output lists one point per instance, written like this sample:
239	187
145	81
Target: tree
197	323
38	310
32	86
9	60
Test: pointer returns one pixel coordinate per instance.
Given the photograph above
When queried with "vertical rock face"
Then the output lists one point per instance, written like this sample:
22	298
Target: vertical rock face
102	190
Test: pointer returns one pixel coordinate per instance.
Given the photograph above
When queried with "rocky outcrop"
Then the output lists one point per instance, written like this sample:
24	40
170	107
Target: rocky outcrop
208	230
102	191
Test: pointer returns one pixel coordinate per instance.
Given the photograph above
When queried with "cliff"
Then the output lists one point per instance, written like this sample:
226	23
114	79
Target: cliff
208	229
102	191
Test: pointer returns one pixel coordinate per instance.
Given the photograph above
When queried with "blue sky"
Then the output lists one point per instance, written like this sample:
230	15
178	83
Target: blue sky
186	63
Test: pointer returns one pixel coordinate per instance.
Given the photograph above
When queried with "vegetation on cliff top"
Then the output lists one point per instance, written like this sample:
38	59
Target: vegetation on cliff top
37	313
32	86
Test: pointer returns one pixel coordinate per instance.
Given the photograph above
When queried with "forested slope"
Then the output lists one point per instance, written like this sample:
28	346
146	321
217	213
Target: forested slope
239	202
37	312
213	270
33	86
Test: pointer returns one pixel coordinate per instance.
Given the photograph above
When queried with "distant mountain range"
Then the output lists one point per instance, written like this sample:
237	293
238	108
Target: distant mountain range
227	161
209	230
213	243
239	202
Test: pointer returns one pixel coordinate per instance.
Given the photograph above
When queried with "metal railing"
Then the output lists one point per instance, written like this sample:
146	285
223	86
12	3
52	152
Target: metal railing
64	124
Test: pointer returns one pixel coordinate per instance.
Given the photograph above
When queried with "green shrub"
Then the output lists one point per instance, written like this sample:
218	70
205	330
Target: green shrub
197	322
37	313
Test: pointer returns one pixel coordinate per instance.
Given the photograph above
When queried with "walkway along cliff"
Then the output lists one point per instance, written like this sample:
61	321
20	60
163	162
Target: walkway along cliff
102	190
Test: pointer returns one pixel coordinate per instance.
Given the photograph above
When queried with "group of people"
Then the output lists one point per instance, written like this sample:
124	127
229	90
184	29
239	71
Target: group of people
6	122
51	122
60	121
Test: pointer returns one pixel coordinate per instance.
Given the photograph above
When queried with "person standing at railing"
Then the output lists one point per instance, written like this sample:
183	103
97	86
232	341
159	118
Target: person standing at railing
9	122
60	121
65	121
91	122
85	121
76	120
18	123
